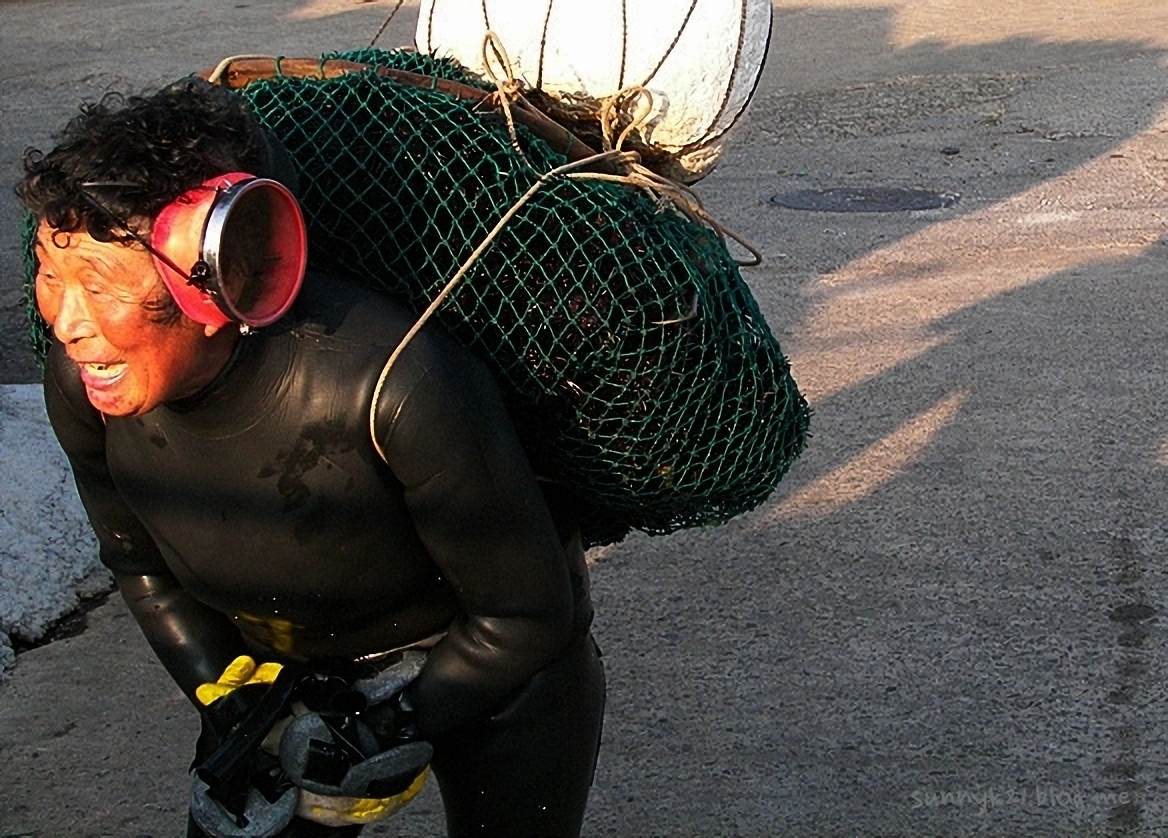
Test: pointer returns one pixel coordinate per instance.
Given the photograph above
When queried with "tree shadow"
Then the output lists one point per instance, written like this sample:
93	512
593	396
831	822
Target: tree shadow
955	590
982	609
1007	127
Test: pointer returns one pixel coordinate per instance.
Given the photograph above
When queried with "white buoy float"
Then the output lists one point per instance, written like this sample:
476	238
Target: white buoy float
699	59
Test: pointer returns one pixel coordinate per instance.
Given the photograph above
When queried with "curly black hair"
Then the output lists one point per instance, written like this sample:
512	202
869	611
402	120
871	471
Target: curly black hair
162	144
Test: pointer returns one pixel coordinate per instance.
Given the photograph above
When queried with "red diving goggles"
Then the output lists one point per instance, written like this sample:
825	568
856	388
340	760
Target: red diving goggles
246	242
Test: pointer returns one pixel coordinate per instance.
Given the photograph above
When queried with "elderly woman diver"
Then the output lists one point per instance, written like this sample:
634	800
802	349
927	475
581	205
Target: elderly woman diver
348	604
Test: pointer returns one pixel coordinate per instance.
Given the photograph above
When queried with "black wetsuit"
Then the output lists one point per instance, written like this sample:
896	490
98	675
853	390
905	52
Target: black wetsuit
257	517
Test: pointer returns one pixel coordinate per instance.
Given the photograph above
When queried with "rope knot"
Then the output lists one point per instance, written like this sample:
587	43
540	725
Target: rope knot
508	89
632	106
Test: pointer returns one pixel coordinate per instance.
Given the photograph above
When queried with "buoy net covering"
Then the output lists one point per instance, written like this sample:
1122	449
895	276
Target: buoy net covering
699	61
639	369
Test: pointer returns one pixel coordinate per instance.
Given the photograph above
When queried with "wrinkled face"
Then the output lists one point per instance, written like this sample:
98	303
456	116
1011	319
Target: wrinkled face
102	300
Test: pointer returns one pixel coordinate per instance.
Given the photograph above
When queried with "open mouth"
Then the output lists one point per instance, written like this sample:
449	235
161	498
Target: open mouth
97	375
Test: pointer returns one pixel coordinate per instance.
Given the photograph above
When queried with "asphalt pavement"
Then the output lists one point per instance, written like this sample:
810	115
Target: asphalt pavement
948	620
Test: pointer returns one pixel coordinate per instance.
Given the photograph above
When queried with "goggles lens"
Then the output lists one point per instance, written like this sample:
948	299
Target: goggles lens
246	242
254	246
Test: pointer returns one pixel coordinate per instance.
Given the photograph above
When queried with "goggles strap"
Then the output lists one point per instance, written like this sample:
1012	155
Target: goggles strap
197	276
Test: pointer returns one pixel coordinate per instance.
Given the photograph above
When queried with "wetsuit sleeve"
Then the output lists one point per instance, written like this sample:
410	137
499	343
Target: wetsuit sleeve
478	509
194	643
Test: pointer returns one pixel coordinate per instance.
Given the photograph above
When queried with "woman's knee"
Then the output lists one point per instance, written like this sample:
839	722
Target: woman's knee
528	768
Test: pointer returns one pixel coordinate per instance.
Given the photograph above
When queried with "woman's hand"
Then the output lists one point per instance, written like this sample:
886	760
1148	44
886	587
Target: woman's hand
240	672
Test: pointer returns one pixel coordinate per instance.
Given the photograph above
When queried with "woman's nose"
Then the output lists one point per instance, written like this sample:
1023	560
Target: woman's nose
74	320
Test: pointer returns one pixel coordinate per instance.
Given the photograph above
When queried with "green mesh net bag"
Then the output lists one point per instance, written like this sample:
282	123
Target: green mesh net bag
639	369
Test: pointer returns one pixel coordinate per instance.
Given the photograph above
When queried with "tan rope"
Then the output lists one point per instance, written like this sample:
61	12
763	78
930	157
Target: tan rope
617	105
508	90
660	188
684	199
448	289
664	191
222	66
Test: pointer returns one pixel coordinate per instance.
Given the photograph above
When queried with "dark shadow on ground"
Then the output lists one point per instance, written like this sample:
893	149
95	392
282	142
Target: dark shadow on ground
985	623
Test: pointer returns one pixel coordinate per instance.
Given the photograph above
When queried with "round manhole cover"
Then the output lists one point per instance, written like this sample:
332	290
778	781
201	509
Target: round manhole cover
861	199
